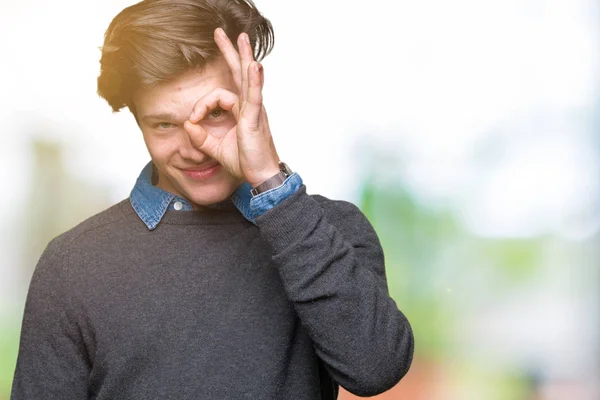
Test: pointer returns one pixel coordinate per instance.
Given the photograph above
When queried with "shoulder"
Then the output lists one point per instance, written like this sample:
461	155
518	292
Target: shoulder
55	268
91	229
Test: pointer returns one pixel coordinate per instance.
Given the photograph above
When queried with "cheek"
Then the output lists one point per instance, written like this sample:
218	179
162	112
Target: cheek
160	148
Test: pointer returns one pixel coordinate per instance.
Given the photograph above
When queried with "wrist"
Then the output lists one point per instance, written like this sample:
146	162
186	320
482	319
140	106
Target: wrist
274	181
265	175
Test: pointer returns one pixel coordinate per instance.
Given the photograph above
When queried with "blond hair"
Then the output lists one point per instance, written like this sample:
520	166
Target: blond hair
155	40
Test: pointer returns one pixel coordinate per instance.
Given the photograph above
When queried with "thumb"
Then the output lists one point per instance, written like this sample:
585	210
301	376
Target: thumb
197	135
201	140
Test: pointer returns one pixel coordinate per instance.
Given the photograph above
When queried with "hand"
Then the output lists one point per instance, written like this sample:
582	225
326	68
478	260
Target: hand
247	151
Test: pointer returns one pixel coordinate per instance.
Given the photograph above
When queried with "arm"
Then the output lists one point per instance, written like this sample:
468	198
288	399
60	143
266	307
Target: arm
332	272
332	267
52	361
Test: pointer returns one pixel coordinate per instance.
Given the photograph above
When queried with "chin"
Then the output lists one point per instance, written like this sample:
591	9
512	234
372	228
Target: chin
209	195
212	191
207	201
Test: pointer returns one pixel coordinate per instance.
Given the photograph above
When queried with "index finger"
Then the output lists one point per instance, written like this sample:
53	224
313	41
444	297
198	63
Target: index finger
231	56
218	97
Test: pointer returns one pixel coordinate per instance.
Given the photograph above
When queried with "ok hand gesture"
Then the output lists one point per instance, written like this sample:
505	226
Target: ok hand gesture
247	151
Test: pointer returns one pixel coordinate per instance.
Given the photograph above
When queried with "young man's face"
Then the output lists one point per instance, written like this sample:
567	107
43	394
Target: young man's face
161	111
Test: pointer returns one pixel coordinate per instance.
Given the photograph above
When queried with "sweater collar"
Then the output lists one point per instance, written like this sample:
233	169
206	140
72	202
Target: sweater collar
151	203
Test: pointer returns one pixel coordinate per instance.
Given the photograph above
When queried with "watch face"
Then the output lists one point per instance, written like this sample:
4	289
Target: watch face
283	167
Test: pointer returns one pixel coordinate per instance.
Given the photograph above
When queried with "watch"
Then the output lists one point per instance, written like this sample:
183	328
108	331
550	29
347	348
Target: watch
274	181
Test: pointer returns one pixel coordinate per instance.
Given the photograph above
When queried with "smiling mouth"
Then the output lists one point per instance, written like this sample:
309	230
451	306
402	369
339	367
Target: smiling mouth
202	173
203	168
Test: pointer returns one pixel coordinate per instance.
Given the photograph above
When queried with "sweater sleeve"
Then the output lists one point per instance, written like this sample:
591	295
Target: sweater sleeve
332	267
52	362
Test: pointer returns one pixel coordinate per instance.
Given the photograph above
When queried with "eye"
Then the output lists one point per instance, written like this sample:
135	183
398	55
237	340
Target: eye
163	125
217	113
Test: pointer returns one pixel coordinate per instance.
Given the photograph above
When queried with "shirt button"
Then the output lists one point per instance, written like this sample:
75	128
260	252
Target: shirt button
178	206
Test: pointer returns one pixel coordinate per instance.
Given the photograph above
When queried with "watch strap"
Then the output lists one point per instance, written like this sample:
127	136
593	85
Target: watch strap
274	181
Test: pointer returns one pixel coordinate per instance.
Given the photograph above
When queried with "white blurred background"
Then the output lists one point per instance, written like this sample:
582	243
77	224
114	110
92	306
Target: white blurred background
484	113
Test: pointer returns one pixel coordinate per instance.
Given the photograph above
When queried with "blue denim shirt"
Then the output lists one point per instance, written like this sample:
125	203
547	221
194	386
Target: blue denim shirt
150	203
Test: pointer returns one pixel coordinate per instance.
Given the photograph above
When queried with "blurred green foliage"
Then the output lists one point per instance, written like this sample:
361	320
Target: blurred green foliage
436	267
518	259
9	341
411	236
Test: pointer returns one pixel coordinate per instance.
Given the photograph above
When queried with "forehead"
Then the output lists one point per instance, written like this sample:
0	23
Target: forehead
179	95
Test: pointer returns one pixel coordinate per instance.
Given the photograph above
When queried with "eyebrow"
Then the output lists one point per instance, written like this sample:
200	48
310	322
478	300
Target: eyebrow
163	117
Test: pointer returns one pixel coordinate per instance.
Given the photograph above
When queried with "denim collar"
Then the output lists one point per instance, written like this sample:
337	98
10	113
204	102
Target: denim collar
151	203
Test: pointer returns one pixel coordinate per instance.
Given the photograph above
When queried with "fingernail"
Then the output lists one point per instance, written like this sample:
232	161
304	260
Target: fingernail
257	67
246	38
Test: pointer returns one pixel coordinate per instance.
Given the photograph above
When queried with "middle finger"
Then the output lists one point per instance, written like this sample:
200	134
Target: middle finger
232	58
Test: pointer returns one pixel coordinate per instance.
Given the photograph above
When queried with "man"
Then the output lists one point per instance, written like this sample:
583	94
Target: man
219	277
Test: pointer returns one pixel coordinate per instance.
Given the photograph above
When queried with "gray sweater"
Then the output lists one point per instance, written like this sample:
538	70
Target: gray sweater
211	306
